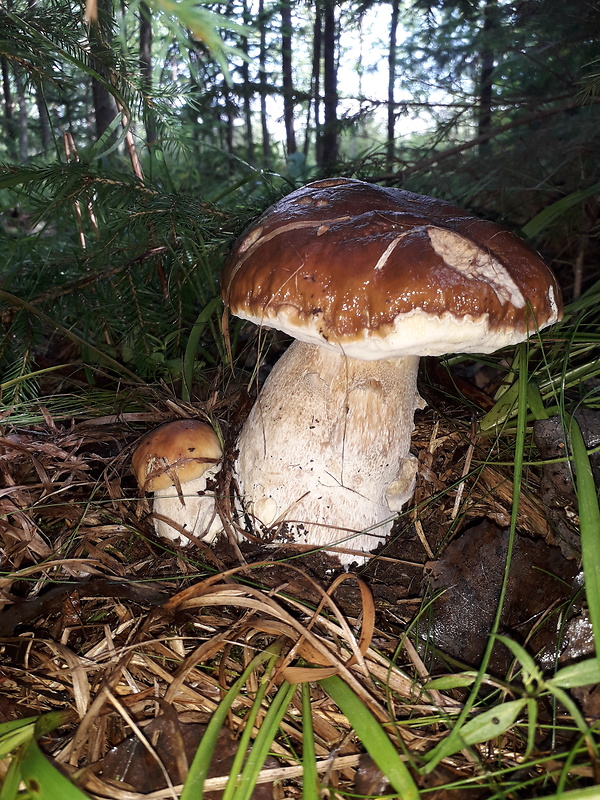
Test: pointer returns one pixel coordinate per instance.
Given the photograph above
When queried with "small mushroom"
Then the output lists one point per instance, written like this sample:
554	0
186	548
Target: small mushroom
174	462
367	279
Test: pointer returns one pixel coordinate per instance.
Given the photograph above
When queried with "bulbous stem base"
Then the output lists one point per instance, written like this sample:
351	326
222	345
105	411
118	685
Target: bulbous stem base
326	447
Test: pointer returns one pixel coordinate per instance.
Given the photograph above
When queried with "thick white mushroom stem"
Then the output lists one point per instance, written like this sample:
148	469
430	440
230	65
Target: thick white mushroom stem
193	510
326	447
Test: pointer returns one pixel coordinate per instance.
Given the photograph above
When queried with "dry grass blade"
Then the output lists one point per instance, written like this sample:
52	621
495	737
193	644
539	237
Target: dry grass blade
311	638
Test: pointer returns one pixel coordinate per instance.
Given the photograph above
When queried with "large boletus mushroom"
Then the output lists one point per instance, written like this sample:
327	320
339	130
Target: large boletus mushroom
174	462
367	279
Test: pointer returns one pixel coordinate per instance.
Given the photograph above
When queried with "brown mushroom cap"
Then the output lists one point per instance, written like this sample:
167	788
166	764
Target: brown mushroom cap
379	272
185	448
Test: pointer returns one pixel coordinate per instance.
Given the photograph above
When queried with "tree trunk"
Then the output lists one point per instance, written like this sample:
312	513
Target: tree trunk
315	99
231	109
20	129
23	127
230	115
391	104
45	132
262	62
330	99
146	69
9	116
486	58
105	108
195	93
287	77
246	90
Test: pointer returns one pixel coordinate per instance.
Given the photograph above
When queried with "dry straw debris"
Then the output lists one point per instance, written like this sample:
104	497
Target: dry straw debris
138	642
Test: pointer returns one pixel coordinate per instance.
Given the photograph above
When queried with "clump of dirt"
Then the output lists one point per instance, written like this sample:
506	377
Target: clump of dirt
371	782
468	578
166	753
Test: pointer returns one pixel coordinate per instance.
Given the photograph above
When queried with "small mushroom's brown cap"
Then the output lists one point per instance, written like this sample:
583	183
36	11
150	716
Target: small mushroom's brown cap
379	272
185	448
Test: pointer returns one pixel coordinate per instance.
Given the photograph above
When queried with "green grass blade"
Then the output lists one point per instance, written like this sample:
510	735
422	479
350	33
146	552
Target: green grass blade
310	784
532	717
373	736
502	410
531	671
31	376
547	216
448	682
15	733
21	735
262	744
456	734
9	790
576	715
44	781
584	673
589	524
244	742
193	342
535	401
485	726
194	785
107	142
589	793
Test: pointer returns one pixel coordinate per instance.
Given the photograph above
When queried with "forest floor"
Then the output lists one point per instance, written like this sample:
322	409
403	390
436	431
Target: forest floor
125	632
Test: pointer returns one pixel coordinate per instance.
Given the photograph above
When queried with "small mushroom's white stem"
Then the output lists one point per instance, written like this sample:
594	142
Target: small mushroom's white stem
326	446
195	514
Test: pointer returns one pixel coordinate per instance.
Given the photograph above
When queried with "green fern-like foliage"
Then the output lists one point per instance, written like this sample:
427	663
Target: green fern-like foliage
131	285
107	264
